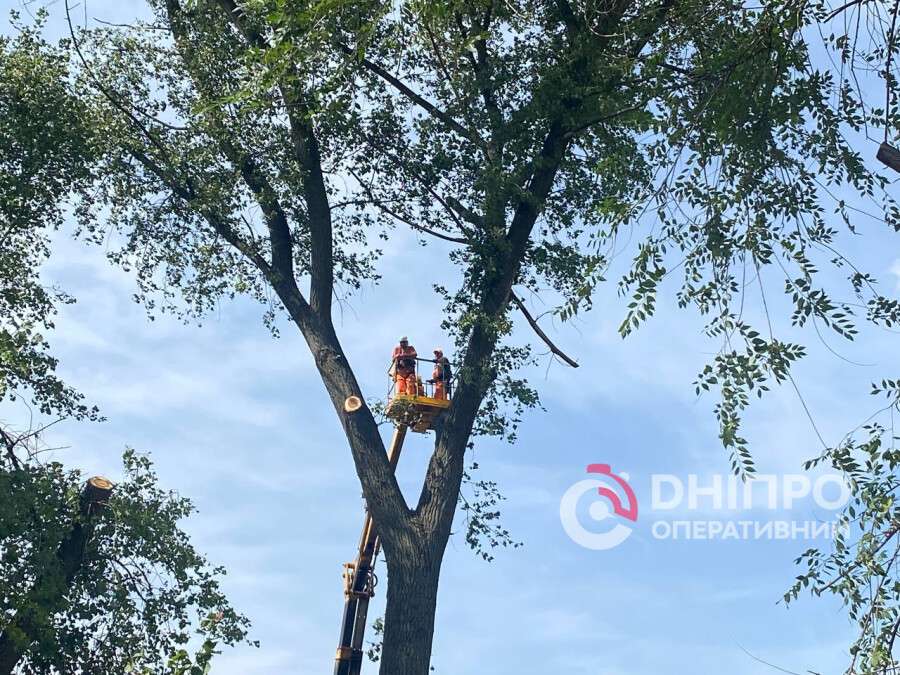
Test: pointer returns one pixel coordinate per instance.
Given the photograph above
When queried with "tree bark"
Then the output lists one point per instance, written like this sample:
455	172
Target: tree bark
410	612
889	156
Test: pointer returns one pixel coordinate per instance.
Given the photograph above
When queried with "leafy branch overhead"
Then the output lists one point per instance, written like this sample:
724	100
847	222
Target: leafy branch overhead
861	568
717	111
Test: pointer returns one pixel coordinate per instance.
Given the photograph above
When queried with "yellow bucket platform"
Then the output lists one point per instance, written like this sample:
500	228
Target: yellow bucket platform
416	412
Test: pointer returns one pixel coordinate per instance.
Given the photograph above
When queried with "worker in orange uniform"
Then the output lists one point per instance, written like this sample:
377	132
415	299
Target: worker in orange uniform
441	374
404	367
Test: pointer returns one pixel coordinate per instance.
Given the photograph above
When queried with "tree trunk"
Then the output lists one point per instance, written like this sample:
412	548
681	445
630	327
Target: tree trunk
409	616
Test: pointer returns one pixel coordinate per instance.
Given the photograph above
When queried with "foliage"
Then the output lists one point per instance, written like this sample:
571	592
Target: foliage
144	591
46	149
255	148
861	568
753	141
719	137
141	595
373	652
481	513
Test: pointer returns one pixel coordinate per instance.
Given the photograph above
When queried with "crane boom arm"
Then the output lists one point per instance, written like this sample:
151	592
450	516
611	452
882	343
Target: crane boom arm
359	583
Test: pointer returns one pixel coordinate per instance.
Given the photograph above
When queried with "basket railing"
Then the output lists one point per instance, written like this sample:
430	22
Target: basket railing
420	375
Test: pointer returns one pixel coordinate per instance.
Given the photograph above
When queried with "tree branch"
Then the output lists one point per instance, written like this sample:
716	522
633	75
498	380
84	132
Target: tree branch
306	148
315	192
380	204
554	147
587	124
379	483
276	219
437	501
571	21
380	487
125	109
444	202
845	6
472	217
238	18
657	18
188	194
540	333
481	67
420	101
254	177
10	446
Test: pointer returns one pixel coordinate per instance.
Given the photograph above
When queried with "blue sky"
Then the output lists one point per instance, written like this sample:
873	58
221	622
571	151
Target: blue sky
239	422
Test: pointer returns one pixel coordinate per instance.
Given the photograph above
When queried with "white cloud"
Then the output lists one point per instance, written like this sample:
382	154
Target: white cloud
895	270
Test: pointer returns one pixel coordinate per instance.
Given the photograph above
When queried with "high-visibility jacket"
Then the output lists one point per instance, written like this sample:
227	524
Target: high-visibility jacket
405	359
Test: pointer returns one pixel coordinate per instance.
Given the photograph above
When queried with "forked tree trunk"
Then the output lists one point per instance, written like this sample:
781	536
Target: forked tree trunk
409	616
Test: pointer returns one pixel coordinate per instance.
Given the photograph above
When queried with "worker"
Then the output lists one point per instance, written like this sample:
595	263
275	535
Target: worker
404	367
420	386
441	375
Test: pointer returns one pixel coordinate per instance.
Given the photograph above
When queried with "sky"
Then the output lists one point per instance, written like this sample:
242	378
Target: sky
239	422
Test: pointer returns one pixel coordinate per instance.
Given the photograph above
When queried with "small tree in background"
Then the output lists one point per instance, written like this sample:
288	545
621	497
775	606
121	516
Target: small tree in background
111	586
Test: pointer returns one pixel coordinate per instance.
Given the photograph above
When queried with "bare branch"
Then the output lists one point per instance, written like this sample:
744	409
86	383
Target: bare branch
889	156
845	6
540	333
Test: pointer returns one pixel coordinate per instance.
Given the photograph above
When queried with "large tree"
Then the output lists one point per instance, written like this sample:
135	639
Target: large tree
267	146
